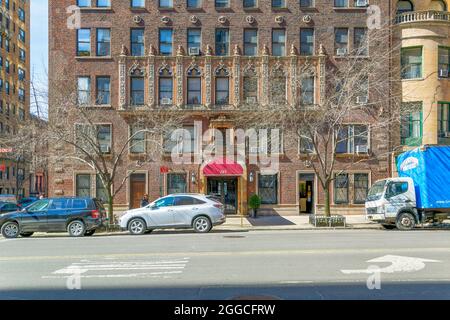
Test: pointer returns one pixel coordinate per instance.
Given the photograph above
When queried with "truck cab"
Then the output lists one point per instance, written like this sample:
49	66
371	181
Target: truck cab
392	202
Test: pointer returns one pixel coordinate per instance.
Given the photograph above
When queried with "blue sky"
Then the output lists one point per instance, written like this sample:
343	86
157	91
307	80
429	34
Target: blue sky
39	43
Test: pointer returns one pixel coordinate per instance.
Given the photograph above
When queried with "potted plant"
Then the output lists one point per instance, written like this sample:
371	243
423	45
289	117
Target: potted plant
254	203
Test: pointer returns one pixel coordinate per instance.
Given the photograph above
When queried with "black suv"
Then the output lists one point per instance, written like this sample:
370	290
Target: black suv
78	216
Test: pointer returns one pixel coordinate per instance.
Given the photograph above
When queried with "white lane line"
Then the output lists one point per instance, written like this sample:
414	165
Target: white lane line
128	275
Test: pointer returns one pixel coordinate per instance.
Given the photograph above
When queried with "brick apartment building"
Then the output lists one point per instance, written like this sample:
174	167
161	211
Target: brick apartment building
14	89
197	56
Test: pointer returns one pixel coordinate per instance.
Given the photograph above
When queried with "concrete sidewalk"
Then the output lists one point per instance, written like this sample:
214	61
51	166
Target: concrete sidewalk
291	223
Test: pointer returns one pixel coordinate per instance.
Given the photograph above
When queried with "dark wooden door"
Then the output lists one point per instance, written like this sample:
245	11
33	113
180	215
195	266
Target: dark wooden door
137	189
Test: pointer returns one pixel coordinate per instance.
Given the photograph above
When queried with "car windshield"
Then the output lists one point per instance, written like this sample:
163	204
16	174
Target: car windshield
376	191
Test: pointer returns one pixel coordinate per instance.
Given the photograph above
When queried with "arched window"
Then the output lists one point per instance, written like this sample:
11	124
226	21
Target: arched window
165	86
404	6
194	86
222	86
438	5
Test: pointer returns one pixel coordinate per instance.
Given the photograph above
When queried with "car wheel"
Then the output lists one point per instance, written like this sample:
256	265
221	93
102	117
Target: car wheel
89	233
76	228
10	230
26	234
388	226
202	224
137	226
405	221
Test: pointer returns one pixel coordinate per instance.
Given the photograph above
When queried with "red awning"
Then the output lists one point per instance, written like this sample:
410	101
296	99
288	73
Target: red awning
223	167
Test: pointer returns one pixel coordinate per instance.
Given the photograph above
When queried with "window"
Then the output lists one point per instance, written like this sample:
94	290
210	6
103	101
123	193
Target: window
176	183
164	202
137	91
21	74
21	94
278	3
444	119
194	87
83	185
193	4
278	42
194	37
396	188
7	87
103	3
251	88
222	42
84	90
103	42
340	3
103	90
404	6
21	14
165	87
83	3
412	125
166	3
137	42
306	3
438	5
165	42
267	141
411	61
100	190
307	90
306	145
341	189
360	41
444	62
250	3
137	141
341	41
221	3
222	87
307	42
83	42
21	35
7	64
180	141
138	3
360	187
352	139
268	188
22	55
250	42
104	138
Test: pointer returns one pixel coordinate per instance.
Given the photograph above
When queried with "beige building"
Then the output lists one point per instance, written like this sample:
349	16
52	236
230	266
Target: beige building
423	27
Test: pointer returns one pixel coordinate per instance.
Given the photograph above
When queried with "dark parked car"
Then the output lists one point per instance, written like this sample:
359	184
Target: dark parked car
25	202
78	216
6	207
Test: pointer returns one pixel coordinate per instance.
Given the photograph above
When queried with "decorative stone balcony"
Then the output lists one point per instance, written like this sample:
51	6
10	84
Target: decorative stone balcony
423	16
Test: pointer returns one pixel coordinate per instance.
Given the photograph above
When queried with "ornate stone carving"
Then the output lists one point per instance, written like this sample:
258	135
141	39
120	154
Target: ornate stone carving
123	50
165	19
222	19
180	51
294	79
236	50
208	51
122	84
136	70
279	19
152	50
307	18
237	78
265	79
179	78
250	19
293	50
208	75
151	82
265	50
194	19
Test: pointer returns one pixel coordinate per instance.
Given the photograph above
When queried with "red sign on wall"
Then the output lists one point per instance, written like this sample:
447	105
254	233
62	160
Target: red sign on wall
163	169
2	167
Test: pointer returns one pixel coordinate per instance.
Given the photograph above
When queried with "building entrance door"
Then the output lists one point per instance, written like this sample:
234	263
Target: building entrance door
137	189
306	193
226	190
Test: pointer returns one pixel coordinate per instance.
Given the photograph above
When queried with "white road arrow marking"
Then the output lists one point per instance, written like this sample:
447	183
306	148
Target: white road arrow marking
398	264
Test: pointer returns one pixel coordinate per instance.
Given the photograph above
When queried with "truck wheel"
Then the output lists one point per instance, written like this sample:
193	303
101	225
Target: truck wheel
405	221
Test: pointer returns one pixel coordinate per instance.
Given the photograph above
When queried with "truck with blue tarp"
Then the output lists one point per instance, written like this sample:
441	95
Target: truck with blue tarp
420	193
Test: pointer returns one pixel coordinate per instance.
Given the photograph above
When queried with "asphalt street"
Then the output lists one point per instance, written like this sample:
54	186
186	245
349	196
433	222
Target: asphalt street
310	264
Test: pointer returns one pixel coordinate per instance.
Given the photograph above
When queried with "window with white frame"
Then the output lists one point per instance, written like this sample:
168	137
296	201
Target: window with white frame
352	138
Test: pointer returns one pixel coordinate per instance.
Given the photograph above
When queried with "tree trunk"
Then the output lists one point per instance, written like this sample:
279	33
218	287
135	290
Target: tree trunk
327	200
110	207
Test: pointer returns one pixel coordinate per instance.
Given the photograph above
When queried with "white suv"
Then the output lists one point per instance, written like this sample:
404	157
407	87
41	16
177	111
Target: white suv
197	211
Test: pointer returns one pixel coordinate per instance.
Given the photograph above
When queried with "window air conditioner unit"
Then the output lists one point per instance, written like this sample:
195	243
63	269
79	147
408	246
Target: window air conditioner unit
443	73
166	101
447	134
250	100
361	3
362	99
362	149
194	51
105	149
341	51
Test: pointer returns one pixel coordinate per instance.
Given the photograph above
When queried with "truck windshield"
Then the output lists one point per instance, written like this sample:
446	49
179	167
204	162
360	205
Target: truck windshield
376	191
